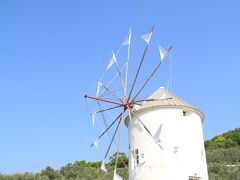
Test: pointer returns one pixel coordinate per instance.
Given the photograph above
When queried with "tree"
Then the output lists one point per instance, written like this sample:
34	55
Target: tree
122	160
51	173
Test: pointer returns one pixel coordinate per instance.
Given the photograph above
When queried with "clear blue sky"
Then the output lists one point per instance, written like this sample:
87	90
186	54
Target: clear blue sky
52	52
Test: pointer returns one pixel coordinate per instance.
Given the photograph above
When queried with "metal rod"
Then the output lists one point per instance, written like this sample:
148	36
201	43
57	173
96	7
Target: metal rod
139	67
111	92
127	59
120	76
113	136
108	128
155	70
104	100
119	138
103	110
104	120
151	100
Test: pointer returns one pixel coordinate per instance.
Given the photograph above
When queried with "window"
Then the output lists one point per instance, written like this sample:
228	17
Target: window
137	156
194	178
184	113
187	113
176	148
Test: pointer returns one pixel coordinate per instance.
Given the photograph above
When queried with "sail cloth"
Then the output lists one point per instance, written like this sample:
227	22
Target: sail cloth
156	137
147	37
138	169
163	52
95	143
103	166
112	60
93	118
116	176
127	40
99	85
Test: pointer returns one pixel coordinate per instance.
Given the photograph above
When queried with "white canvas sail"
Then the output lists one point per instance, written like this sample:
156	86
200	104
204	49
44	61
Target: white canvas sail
156	137
138	169
127	40
112	60
99	84
163	53
95	143
93	118
147	37
103	166
116	176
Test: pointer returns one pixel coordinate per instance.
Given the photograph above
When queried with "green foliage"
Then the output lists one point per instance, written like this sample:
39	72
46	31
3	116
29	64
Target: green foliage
25	176
222	152
51	173
229	156
223	156
221	171
122	160
226	140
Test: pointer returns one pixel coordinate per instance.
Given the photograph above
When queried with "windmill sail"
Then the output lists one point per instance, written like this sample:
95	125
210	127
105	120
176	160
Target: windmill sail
156	137
127	40
95	143
116	176
93	118
112	60
138	169
147	37
164	53
99	85
103	166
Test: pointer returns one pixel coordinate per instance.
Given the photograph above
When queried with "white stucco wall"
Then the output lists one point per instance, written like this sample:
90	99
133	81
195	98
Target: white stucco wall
181	138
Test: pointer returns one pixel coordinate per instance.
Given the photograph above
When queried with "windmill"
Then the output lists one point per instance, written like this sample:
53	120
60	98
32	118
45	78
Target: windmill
152	150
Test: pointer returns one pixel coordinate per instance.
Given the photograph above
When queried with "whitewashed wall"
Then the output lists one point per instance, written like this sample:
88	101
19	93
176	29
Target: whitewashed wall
181	137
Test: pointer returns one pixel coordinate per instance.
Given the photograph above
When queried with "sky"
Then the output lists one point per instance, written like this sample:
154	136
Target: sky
53	52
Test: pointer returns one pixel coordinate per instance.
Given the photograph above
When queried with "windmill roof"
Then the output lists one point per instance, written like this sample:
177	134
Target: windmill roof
163	99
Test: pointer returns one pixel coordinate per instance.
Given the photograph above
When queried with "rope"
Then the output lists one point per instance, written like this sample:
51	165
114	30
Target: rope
155	70
104	120
112	80
118	149
108	128
103	74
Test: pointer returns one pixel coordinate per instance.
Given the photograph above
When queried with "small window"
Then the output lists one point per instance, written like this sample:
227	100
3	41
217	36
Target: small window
194	178
187	113
137	156
176	148
184	113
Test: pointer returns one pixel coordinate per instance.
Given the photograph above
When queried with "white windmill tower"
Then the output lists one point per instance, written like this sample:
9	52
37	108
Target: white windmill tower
165	133
172	146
